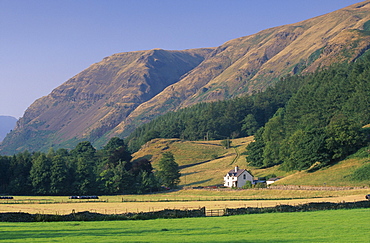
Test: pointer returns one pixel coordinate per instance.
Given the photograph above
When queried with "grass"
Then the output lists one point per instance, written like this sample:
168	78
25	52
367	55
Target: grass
205	170
319	226
185	152
339	174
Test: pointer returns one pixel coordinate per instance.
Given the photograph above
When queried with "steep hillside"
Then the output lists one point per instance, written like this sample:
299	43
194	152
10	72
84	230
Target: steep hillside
7	123
252	63
99	98
112	97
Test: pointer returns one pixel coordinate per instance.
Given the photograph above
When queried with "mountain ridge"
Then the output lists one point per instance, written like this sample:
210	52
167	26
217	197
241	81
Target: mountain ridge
246	73
112	97
98	98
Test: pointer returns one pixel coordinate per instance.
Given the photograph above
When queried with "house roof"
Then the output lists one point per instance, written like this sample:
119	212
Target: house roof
274	179
236	173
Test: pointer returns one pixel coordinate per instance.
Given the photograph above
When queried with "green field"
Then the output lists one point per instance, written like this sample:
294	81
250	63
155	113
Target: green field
320	226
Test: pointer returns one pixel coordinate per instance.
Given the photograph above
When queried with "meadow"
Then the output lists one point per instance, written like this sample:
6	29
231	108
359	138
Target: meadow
320	226
205	163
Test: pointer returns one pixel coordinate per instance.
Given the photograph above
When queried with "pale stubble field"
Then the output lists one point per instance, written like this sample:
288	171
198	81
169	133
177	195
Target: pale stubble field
183	199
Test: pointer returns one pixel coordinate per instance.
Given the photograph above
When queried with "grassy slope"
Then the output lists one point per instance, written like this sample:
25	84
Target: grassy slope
337	175
211	172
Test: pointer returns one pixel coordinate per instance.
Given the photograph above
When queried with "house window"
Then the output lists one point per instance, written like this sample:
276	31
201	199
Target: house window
244	177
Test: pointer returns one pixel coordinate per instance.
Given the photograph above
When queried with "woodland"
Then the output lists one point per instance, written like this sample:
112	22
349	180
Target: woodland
84	171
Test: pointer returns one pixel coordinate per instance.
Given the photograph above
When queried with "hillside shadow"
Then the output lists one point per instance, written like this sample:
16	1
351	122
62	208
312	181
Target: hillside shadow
197	182
203	162
148	157
190	173
194	164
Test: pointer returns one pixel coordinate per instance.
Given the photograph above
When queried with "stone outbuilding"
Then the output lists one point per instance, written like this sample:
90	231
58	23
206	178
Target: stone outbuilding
272	180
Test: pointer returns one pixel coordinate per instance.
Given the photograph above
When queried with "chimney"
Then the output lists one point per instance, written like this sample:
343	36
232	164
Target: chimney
236	168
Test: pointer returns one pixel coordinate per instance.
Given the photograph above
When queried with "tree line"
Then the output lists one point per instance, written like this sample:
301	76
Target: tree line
84	171
233	118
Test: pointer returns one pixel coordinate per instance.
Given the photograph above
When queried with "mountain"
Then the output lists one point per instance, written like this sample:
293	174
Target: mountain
99	98
7	123
112	97
252	63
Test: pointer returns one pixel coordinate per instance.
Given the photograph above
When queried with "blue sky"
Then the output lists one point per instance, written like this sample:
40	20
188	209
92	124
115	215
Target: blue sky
43	43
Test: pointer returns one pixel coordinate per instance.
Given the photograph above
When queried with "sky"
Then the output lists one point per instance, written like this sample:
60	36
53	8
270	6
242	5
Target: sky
43	43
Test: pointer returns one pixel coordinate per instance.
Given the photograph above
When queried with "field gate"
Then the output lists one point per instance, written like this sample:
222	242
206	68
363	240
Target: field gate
215	212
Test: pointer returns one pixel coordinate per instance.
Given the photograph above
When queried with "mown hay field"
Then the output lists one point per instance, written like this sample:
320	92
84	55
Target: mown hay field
319	226
182	199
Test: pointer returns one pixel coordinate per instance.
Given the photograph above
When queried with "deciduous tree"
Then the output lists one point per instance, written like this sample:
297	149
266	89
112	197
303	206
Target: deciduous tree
168	173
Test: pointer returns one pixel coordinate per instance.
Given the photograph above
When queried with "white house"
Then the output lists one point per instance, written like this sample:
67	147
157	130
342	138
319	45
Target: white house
237	177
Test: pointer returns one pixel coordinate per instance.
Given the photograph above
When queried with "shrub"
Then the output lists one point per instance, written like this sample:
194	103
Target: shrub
247	185
260	185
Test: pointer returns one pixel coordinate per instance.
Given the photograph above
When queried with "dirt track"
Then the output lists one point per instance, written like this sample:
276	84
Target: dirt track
123	207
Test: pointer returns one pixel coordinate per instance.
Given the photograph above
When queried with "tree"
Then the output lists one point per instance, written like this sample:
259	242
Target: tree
59	184
116	151
40	175
169	173
304	148
113	153
250	125
343	137
255	150
117	179
141	165
4	173
85	157
273	135
148	183
19	170
85	182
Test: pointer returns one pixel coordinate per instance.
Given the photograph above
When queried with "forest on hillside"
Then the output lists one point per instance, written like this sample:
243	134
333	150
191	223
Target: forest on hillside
321	124
301	121
233	118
